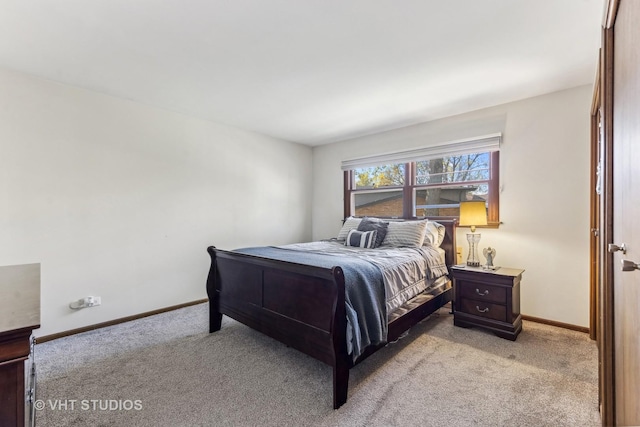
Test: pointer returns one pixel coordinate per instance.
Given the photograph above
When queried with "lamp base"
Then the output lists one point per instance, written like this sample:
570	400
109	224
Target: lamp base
473	260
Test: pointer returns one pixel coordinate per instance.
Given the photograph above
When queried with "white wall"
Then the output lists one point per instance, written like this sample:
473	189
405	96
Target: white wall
120	200
544	205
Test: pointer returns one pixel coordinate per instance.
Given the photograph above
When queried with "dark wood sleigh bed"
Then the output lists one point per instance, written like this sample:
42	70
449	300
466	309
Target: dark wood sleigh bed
303	306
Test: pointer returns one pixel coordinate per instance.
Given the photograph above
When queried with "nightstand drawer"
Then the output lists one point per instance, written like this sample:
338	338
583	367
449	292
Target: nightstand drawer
482	292
483	309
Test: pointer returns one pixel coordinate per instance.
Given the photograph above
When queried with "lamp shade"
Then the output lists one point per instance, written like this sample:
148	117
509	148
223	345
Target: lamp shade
473	213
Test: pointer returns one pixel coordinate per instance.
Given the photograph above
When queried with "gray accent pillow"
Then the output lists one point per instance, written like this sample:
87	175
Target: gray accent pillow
361	239
370	224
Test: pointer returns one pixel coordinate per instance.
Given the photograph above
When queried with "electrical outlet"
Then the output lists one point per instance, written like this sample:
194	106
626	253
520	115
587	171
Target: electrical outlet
85	302
92	301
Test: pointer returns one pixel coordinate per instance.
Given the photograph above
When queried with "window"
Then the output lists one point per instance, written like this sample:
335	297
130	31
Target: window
432	185
379	190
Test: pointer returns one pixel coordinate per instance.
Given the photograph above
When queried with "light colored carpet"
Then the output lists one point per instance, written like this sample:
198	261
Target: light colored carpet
167	370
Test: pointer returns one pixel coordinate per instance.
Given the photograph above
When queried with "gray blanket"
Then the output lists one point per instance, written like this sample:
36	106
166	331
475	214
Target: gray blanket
364	293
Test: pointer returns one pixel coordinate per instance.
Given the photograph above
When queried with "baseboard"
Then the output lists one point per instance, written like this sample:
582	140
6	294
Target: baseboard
46	338
558	324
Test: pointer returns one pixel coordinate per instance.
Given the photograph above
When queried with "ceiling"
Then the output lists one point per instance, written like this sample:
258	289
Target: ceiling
309	71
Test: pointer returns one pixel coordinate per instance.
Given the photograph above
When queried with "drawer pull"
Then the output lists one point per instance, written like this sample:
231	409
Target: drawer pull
482	294
484	310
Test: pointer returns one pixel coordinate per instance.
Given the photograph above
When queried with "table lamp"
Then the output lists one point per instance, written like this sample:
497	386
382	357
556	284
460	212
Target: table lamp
472	214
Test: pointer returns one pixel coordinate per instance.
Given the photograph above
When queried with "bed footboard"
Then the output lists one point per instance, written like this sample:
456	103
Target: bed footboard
299	305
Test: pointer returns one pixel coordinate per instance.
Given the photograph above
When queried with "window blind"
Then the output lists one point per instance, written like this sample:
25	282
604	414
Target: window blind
482	144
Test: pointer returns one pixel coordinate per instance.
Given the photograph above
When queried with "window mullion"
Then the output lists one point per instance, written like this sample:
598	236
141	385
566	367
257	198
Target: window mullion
407	191
348	188
493	213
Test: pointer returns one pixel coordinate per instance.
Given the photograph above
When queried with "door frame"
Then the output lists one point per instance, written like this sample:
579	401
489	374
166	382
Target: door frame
604	300
594	223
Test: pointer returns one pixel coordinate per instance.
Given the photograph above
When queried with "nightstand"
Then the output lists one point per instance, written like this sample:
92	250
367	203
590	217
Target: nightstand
488	298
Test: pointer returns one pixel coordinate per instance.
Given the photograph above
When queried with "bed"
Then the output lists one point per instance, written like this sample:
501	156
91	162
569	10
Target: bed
311	296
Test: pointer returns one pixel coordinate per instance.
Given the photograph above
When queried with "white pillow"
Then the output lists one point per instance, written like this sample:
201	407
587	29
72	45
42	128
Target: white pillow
405	234
434	234
361	239
349	224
